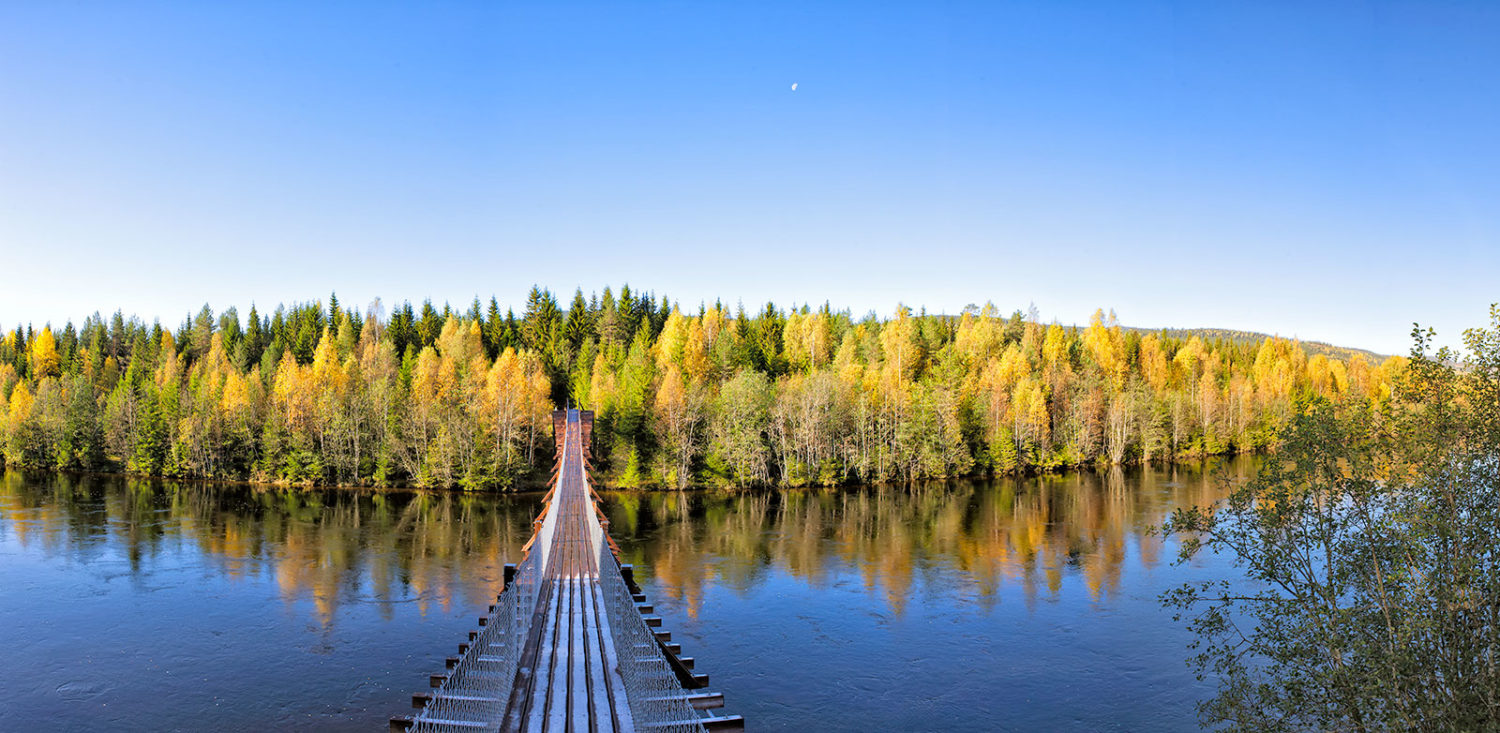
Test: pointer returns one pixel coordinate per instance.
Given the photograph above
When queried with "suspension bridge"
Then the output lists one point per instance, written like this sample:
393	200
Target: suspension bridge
570	644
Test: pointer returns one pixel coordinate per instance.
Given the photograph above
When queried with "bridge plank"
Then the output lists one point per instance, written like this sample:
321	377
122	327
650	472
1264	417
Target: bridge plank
578	686
557	690
542	680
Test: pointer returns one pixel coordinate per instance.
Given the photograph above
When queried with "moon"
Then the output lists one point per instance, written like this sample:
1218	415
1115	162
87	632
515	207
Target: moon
794	86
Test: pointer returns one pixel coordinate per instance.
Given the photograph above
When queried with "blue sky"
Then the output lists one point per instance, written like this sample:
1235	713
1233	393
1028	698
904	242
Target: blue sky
1324	170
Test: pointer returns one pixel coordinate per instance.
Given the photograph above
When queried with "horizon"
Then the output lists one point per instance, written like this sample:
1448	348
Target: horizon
1312	171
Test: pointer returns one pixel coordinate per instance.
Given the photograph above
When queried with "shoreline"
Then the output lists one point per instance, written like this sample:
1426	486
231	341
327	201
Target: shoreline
538	486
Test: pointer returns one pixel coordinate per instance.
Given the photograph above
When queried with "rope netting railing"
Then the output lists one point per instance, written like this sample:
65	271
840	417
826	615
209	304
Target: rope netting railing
478	688
657	700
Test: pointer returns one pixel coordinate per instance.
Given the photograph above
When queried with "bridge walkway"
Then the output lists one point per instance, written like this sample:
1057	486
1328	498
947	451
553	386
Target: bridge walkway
568	647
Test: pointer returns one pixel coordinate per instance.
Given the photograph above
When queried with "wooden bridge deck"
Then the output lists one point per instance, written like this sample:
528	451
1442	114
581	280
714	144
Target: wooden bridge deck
570	676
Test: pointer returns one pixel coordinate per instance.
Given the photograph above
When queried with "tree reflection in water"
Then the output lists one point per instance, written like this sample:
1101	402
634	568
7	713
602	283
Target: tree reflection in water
334	545
327	547
1028	533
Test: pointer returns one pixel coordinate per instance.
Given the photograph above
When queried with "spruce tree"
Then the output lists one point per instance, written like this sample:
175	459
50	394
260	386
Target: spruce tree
607	319
629	317
494	330
229	329
67	348
400	327
430	325
580	323
96	352
118	339
306	343
539	324
150	437
202	333
248	353
22	346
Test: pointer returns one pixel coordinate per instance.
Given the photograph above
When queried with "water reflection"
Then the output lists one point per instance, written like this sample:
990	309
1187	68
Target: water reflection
445	548
960	603
326	547
1021	535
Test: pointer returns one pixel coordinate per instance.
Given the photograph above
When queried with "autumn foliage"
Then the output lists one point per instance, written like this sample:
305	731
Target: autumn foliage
320	394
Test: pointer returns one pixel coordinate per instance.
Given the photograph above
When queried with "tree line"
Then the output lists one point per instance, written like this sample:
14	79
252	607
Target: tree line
324	394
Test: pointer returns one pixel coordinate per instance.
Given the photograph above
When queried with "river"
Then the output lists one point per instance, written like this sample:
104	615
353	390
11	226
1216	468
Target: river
1016	604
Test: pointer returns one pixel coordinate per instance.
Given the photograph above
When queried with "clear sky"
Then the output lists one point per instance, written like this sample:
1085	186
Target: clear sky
1324	170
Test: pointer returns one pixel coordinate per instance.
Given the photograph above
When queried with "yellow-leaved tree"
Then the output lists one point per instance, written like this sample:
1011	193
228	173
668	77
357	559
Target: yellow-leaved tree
44	359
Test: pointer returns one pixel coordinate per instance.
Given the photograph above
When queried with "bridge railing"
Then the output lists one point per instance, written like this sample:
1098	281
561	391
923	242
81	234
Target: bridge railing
657	700
477	689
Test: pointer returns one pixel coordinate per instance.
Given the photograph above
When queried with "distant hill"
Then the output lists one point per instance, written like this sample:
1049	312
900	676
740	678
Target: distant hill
1251	337
1313	348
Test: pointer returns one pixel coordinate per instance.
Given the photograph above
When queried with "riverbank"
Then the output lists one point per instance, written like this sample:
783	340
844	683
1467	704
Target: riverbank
535	482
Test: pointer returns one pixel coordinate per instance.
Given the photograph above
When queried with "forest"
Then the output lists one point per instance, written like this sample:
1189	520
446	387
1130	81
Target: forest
320	394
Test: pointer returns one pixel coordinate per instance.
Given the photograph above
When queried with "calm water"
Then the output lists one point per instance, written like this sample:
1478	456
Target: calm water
1008	605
